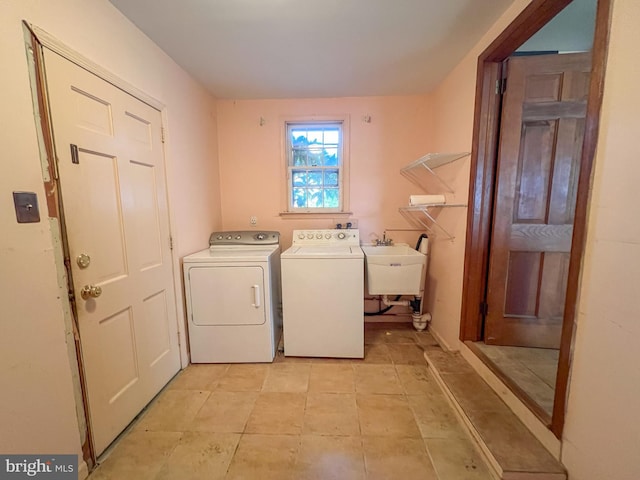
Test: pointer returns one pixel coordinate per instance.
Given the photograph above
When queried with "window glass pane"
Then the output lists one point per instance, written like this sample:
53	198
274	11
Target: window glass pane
331	178
332	136
314	178
315	161
315	136
331	198
299	137
299	157
299	178
314	197
315	157
331	157
299	197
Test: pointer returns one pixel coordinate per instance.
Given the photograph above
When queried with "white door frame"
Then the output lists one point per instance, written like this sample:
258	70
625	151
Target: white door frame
44	40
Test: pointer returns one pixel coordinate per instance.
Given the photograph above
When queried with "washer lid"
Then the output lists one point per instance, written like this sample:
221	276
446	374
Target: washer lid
254	253
317	251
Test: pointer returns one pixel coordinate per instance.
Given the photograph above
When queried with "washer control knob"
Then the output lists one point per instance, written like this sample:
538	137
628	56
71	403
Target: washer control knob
219	237
309	236
261	236
229	237
301	236
327	236
238	237
318	236
341	236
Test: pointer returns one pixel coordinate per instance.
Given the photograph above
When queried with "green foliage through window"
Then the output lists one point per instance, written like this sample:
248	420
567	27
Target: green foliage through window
315	165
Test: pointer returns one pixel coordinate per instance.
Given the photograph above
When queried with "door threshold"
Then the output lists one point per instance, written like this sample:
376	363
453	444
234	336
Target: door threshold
536	420
518	391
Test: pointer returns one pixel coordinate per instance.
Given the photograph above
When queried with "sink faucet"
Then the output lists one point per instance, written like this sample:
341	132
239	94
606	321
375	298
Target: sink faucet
385	241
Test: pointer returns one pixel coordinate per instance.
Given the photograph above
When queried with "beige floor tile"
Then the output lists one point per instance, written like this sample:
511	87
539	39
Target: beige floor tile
389	333
447	362
330	458
407	354
225	412
277	413
386	415
265	457
332	378
388	458
435	416
200	455
243	378
331	414
417	379
425	338
473	393
514	447
457	459
373	334
400	335
287	377
377	379
173	411
198	377
138	455
375	353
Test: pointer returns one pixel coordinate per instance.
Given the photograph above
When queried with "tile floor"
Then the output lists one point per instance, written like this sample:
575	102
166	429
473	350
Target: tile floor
532	369
383	417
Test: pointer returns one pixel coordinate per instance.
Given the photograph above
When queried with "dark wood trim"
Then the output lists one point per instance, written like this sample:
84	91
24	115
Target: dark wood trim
594	103
484	154
482	175
54	205
523	396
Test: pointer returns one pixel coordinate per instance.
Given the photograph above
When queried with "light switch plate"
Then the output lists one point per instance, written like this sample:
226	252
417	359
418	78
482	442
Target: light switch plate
26	204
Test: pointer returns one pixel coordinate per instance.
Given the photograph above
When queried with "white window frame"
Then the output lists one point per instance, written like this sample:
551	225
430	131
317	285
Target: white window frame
343	164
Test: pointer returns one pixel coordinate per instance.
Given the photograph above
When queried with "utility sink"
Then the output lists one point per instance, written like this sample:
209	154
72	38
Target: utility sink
394	269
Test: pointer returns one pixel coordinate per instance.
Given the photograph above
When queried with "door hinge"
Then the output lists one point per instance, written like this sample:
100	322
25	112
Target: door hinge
162	134
484	309
170	242
501	86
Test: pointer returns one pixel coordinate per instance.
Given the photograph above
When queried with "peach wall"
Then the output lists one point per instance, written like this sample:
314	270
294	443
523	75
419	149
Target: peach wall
453	105
602	430
252	167
37	405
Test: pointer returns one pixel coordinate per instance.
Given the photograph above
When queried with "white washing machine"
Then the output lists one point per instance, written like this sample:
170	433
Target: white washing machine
323	294
233	298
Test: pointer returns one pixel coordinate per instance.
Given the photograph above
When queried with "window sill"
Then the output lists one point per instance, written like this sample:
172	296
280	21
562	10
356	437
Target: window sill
338	215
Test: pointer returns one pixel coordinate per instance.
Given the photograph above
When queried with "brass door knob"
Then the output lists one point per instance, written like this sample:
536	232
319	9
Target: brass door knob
90	291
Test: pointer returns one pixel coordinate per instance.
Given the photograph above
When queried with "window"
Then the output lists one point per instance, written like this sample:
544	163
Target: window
315	167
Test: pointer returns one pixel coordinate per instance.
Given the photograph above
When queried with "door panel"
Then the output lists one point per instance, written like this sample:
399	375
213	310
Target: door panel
542	129
115	211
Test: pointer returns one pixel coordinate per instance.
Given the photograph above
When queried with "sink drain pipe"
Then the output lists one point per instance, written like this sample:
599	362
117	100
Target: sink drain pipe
420	320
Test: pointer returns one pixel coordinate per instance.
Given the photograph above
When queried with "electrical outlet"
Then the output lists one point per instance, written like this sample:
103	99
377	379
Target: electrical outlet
253	220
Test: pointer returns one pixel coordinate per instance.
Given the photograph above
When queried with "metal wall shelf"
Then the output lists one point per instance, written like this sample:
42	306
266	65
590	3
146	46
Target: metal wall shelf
421	172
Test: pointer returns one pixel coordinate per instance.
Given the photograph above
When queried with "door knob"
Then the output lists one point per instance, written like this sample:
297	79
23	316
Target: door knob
90	291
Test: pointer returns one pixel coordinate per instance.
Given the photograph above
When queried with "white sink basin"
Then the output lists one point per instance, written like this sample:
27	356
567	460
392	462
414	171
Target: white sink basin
394	269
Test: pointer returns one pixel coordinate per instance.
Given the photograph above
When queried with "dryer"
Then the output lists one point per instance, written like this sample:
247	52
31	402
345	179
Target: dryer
233	298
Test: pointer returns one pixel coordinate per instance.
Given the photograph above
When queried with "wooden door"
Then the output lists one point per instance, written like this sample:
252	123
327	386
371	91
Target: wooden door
111	172
542	130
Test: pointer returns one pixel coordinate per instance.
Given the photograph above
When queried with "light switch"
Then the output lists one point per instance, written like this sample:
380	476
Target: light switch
26	204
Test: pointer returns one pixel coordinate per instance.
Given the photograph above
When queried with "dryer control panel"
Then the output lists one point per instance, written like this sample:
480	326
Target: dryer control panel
244	237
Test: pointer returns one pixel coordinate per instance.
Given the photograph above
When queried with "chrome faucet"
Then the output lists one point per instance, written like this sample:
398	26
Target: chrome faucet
385	241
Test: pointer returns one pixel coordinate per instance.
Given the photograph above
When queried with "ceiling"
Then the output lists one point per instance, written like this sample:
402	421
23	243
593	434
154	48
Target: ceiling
251	49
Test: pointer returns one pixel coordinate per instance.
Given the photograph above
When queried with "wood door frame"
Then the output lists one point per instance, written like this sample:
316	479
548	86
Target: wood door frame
483	176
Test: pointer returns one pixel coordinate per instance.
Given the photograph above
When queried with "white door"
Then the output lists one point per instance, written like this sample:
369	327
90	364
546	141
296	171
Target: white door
111	167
